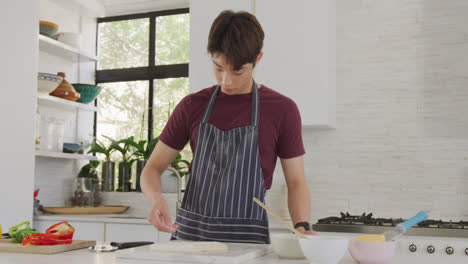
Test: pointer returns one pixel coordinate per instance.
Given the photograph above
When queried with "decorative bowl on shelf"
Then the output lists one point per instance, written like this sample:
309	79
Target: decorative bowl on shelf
71	148
88	92
47	82
47	28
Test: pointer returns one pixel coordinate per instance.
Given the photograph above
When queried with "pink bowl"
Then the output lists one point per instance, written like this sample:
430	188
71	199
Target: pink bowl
372	252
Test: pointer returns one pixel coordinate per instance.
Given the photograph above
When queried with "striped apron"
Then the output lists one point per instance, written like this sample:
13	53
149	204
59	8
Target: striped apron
225	176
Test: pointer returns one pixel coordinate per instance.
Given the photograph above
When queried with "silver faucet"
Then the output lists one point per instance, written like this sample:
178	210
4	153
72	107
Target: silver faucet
179	190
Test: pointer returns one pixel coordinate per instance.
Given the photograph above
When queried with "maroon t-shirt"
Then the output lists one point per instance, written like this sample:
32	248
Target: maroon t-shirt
279	129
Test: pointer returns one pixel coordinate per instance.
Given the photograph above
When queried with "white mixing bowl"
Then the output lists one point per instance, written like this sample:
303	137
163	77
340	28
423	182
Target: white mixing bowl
286	246
324	249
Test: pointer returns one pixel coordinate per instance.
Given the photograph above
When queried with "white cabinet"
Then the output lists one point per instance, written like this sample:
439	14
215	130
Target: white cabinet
83	230
102	230
299	51
116	232
299	55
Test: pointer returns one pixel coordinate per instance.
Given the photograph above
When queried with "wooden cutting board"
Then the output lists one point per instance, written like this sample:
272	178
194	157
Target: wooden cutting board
7	246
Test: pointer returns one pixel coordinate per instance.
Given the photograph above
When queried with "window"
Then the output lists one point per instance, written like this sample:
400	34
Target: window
123	111
143	70
172	39
123	44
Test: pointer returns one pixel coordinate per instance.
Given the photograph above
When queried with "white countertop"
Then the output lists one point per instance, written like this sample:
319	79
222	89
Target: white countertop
85	256
88	257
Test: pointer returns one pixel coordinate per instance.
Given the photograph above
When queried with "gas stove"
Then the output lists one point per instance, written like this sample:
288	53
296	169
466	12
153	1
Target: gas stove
431	241
367	224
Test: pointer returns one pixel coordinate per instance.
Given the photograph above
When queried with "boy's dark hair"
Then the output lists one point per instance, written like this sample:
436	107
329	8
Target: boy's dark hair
238	36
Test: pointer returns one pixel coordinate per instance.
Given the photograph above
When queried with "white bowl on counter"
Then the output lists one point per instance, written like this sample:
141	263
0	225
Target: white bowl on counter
324	249
286	246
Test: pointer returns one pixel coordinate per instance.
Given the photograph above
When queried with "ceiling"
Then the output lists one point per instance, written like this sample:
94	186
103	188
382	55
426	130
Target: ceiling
120	7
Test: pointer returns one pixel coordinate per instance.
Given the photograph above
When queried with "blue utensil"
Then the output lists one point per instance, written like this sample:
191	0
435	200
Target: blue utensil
401	228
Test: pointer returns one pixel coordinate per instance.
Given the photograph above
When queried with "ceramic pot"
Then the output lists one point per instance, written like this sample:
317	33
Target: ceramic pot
65	90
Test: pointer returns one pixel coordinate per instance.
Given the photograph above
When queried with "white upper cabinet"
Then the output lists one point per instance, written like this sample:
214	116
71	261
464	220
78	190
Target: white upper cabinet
299	58
299	55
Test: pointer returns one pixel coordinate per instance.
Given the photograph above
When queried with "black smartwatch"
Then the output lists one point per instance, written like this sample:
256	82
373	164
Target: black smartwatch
305	225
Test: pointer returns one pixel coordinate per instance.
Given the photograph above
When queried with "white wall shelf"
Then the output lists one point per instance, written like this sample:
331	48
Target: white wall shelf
48	100
60	155
58	48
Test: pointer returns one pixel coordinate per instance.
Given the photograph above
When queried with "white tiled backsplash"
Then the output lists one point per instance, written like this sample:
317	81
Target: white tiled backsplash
401	143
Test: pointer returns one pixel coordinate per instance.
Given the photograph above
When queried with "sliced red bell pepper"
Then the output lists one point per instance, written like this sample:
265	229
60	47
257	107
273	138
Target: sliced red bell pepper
36	192
62	230
44	239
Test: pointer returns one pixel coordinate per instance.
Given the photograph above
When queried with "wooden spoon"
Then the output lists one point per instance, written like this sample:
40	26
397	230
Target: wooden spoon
287	224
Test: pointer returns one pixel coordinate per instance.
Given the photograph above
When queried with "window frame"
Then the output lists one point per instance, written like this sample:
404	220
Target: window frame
148	73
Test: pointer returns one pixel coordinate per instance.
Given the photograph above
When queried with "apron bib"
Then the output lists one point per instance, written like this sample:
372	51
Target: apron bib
226	174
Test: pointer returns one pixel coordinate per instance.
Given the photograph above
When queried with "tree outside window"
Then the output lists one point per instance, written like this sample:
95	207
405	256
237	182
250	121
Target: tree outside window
143	70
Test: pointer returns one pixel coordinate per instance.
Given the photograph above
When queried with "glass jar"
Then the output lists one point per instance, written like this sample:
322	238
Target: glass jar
80	192
59	135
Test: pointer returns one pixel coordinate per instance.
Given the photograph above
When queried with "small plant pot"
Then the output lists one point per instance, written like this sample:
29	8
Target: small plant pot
124	177
108	176
140	164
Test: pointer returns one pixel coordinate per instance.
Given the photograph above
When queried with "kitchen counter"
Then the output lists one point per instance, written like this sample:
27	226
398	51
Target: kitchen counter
85	256
88	257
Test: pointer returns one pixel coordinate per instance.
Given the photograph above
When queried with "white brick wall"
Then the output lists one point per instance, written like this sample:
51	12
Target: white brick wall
401	143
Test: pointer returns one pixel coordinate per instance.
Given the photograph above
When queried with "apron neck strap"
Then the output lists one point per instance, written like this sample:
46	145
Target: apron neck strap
255	105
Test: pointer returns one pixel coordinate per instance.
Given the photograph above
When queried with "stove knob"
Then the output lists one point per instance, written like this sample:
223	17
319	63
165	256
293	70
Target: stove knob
466	251
449	250
413	248
430	249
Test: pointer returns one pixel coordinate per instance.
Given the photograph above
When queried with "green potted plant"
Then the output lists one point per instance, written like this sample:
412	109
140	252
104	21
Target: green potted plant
108	166
124	146
181	165
142	153
89	170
